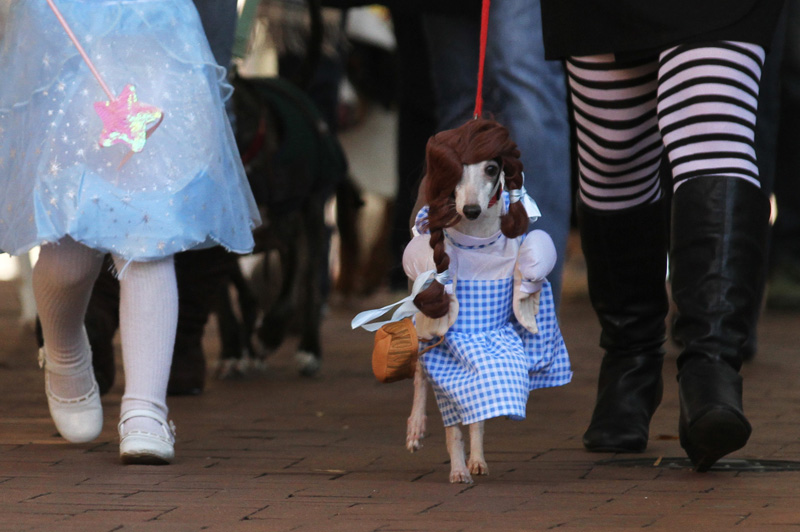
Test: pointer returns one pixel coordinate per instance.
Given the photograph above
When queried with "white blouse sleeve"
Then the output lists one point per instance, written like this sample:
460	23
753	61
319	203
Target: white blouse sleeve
418	256
536	259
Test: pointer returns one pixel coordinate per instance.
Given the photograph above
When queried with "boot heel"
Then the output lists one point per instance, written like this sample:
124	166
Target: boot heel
717	433
712	421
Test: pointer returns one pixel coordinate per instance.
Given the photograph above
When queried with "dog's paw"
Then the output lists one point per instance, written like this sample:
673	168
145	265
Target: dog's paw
229	369
429	328
415	431
526	307
478	467
413	444
460	476
307	364
260	364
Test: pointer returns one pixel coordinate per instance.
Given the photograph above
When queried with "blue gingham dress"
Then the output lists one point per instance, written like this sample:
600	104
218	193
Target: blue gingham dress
488	363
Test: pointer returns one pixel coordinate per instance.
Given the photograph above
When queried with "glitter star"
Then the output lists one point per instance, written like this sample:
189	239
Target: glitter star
55	167
126	120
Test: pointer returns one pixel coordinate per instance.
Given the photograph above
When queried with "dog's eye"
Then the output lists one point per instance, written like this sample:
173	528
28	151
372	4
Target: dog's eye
492	169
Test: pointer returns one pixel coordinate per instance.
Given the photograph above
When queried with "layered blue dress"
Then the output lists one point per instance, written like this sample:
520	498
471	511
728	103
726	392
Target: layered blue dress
186	189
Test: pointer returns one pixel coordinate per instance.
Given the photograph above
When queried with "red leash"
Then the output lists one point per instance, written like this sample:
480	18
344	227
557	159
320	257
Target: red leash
479	94
482	59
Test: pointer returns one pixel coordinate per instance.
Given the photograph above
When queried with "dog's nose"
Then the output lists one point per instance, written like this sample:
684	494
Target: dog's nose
472	211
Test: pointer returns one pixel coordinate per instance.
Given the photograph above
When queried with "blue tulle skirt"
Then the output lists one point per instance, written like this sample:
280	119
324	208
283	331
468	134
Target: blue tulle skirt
186	189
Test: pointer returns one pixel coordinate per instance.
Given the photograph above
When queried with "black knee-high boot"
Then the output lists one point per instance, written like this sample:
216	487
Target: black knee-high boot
719	233
626	261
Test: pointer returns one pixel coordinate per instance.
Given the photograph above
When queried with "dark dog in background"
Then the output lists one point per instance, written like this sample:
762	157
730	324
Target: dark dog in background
295	165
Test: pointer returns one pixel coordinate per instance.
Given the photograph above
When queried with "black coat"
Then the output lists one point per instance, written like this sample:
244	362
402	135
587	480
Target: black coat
640	27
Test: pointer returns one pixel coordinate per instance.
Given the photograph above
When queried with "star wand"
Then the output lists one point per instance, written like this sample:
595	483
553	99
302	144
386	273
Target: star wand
125	119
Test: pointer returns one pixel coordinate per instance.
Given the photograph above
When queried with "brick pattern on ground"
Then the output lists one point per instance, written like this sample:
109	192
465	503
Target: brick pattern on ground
278	452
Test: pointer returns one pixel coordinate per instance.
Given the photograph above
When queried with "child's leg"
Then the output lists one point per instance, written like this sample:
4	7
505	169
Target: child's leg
148	319
62	284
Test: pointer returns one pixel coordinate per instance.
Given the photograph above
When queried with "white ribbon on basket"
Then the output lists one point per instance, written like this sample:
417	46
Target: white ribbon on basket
405	307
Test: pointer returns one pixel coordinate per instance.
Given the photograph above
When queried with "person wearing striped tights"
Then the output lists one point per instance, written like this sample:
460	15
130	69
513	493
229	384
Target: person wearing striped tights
677	88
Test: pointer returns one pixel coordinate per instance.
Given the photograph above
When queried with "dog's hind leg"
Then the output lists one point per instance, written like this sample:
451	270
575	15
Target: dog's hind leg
232	363
458	464
278	314
477	463
313	286
415	427
248	308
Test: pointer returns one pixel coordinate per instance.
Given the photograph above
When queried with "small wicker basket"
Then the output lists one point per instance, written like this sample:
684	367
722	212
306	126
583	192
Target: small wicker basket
394	356
396	351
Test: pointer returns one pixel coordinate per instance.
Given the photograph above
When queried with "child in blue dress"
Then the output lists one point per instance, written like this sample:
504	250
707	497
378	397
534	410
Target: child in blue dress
72	187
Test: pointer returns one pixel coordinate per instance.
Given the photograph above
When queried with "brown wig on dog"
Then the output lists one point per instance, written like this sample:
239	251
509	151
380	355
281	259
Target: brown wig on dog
446	154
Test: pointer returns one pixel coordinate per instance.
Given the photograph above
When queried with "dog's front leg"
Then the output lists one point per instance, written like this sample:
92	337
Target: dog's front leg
415	427
477	463
458	464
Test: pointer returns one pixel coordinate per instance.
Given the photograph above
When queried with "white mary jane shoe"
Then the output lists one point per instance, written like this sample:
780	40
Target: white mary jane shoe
79	419
140	447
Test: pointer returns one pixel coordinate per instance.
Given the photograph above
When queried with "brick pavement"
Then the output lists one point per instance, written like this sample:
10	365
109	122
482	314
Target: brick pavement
281	453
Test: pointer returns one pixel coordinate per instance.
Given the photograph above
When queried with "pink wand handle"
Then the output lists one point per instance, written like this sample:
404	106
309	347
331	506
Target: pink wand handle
81	51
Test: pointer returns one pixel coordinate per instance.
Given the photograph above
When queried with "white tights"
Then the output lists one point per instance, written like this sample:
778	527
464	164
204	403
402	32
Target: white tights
62	283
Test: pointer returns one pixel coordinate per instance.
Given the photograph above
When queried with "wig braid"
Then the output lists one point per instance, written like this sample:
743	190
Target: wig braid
446	154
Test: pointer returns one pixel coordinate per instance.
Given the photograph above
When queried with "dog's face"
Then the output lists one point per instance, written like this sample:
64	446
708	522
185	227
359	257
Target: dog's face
479	189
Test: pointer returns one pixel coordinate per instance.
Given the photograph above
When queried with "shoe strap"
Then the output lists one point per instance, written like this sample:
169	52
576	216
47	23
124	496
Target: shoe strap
95	391
65	370
167	426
